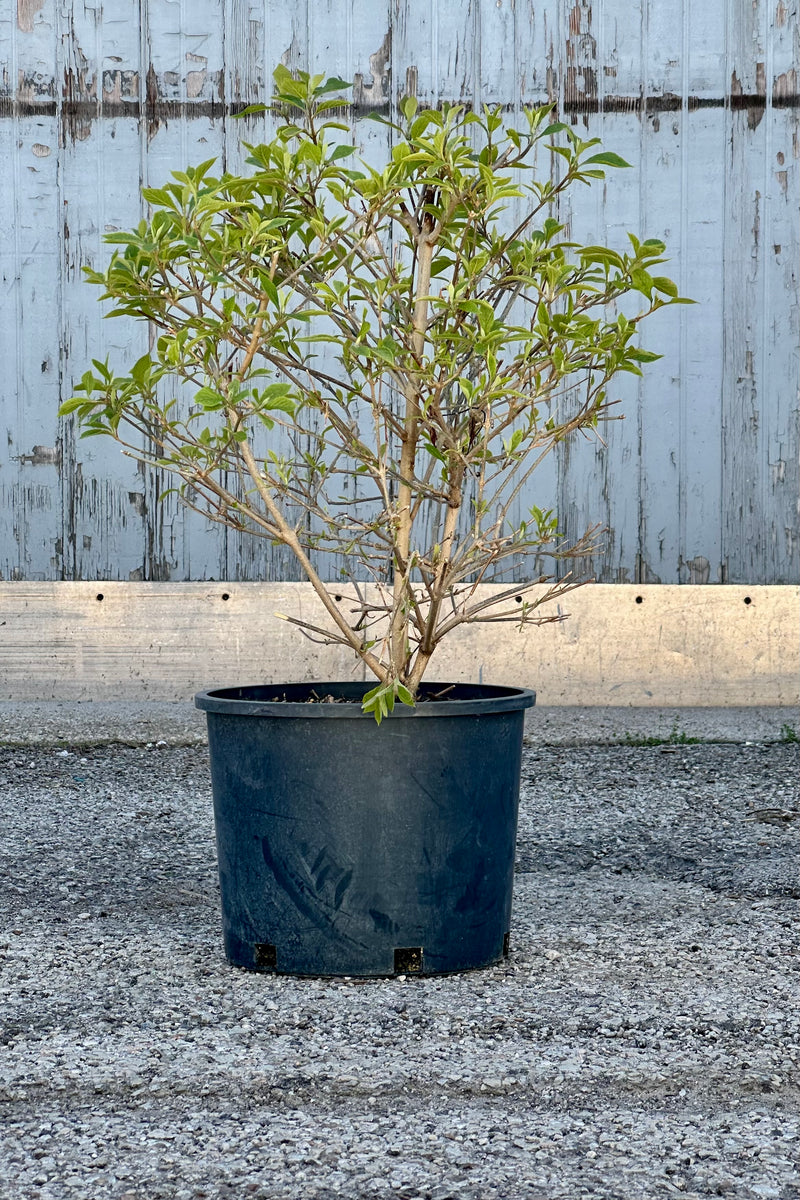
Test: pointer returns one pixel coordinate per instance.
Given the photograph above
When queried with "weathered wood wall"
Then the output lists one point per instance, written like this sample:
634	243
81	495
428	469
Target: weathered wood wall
98	97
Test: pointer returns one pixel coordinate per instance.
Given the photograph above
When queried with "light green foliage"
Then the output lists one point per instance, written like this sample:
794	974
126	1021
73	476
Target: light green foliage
417	346
380	700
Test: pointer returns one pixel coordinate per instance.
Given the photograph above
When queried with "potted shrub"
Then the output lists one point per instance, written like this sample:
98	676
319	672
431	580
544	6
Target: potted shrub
365	366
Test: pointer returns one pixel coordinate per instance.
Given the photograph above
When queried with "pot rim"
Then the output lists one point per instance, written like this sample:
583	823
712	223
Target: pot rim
475	699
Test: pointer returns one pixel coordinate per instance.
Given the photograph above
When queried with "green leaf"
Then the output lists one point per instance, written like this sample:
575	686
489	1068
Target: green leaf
428	116
600	254
141	369
270	291
667	286
281	403
440	264
284	79
379	701
249	110
386	351
332	85
606	159
96	430
209	400
642	281
273	391
157	196
512	443
409	106
71	405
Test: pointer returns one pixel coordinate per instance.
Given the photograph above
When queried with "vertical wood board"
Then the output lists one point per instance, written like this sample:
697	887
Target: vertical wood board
698	484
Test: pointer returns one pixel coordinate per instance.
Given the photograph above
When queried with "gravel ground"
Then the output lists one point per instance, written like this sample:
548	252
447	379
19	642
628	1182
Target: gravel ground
134	723
642	1039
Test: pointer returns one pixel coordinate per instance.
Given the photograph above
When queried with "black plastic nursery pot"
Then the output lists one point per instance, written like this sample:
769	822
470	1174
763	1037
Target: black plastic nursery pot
348	848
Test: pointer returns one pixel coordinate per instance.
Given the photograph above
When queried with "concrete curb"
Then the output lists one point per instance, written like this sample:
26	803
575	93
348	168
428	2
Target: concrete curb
633	645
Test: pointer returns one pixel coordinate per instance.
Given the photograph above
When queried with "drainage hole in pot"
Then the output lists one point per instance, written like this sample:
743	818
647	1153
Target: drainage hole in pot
266	956
506	944
408	960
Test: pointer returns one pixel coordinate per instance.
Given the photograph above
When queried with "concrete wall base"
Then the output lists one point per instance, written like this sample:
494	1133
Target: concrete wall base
622	645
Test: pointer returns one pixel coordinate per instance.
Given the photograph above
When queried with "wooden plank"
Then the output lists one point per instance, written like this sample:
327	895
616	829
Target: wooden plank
436	51
30	37
179	543
761	321
102	492
662	389
704	33
182	62
747	38
33	448
743	480
703	475
498	71
779	388
701	348
599	476
621	32
532	31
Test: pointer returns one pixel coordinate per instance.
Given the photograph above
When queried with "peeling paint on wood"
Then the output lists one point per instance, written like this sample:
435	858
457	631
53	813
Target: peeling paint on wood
26	12
698	484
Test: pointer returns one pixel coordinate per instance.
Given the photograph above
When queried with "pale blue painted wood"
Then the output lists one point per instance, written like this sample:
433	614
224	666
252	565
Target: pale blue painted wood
702	333
699	482
104	519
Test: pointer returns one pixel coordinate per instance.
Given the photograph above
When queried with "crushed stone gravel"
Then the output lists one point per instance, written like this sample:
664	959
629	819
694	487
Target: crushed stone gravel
641	1040
135	723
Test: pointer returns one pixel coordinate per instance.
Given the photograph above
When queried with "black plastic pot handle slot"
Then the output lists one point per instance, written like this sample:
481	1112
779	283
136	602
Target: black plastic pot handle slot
266	956
408	960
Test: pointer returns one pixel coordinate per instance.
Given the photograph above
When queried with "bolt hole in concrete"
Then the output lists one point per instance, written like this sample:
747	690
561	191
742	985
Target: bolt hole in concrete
226	595
99	596
748	600
640	599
